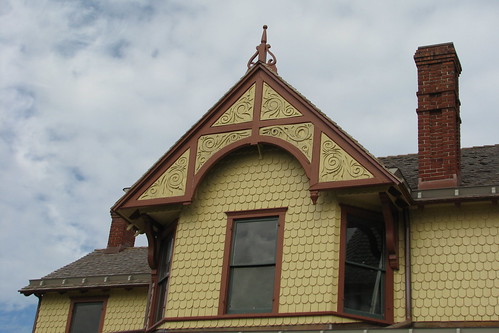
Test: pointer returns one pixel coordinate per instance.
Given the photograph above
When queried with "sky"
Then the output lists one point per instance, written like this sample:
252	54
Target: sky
92	93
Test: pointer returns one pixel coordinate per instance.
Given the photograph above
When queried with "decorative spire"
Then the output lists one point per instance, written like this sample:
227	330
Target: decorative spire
261	53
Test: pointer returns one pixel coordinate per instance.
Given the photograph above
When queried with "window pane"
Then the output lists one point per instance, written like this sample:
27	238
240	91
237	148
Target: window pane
86	317
364	290
251	289
166	256
365	243
254	241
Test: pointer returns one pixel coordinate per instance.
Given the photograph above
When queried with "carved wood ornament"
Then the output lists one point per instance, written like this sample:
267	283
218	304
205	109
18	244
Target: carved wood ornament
261	109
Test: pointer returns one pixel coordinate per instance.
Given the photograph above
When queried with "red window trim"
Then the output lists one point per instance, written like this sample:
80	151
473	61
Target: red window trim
231	216
388	306
75	300
154	297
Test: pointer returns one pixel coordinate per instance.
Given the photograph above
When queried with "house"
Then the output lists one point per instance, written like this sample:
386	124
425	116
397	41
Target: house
267	216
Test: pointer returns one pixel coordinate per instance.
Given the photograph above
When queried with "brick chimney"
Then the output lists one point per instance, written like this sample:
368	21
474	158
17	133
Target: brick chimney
119	236
439	136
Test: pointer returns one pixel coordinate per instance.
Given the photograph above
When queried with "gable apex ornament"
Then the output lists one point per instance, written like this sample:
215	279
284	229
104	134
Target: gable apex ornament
261	54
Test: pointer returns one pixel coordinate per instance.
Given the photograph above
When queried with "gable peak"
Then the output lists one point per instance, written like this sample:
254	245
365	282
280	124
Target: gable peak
261	53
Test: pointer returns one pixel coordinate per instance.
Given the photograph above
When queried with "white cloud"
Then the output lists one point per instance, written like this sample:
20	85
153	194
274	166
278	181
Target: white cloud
93	92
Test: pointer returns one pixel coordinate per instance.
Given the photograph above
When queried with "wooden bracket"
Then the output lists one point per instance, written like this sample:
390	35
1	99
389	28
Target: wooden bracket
390	215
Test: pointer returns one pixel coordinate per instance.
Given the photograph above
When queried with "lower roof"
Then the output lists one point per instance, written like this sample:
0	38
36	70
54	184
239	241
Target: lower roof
98	269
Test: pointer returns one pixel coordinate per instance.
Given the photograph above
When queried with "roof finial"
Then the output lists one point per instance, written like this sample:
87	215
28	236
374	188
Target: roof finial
264	34
261	53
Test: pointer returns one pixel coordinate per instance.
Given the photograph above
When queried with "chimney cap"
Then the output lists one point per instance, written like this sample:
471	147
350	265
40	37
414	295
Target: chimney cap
437	53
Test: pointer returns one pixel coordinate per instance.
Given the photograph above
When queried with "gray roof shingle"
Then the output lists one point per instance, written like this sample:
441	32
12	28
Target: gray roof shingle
98	269
479	166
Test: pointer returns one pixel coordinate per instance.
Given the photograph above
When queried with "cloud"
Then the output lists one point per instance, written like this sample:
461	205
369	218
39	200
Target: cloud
92	93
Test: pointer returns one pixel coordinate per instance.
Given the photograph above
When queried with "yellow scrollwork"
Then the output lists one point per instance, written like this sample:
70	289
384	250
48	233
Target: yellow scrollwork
299	135
172	182
274	106
208	145
337	165
241	111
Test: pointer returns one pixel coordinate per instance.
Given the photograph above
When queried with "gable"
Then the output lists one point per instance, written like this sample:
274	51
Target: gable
260	109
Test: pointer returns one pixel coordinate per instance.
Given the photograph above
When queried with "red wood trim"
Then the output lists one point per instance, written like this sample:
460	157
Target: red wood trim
277	315
389	214
343	251
154	297
389	311
348	184
74	300
152	248
224	285
278	259
286	146
257	107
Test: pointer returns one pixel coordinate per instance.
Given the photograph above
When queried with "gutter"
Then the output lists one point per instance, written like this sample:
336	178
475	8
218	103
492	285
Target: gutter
456	194
91	282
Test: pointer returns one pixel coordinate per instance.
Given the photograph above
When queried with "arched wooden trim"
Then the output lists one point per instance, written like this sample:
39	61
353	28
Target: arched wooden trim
250	141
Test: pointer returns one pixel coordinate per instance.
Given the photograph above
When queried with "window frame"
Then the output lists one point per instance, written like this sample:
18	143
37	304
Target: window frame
160	285
80	300
225	281
387	287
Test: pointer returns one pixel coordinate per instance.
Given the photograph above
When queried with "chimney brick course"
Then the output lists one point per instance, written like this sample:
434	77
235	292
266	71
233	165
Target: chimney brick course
439	139
119	235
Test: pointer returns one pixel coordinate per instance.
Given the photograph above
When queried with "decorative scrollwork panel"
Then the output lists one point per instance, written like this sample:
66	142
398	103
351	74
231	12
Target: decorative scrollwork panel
241	111
337	165
208	145
299	135
172	182
274	106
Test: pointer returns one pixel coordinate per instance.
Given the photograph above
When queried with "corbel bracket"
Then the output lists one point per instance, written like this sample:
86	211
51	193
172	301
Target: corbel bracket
390	215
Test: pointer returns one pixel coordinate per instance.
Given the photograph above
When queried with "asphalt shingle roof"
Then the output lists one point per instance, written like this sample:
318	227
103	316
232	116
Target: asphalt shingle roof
98	269
479	166
131	260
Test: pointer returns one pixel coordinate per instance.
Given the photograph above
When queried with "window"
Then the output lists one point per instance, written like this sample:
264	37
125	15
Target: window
252	262
364	264
164	264
86	316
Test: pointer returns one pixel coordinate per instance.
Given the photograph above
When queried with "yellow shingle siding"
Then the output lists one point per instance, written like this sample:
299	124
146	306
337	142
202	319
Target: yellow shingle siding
399	310
255	322
455	263
125	310
53	314
246	181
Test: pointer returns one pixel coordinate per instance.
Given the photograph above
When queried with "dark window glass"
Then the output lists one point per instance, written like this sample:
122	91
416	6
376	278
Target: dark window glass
86	317
364	267
164	274
251	289
252	265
